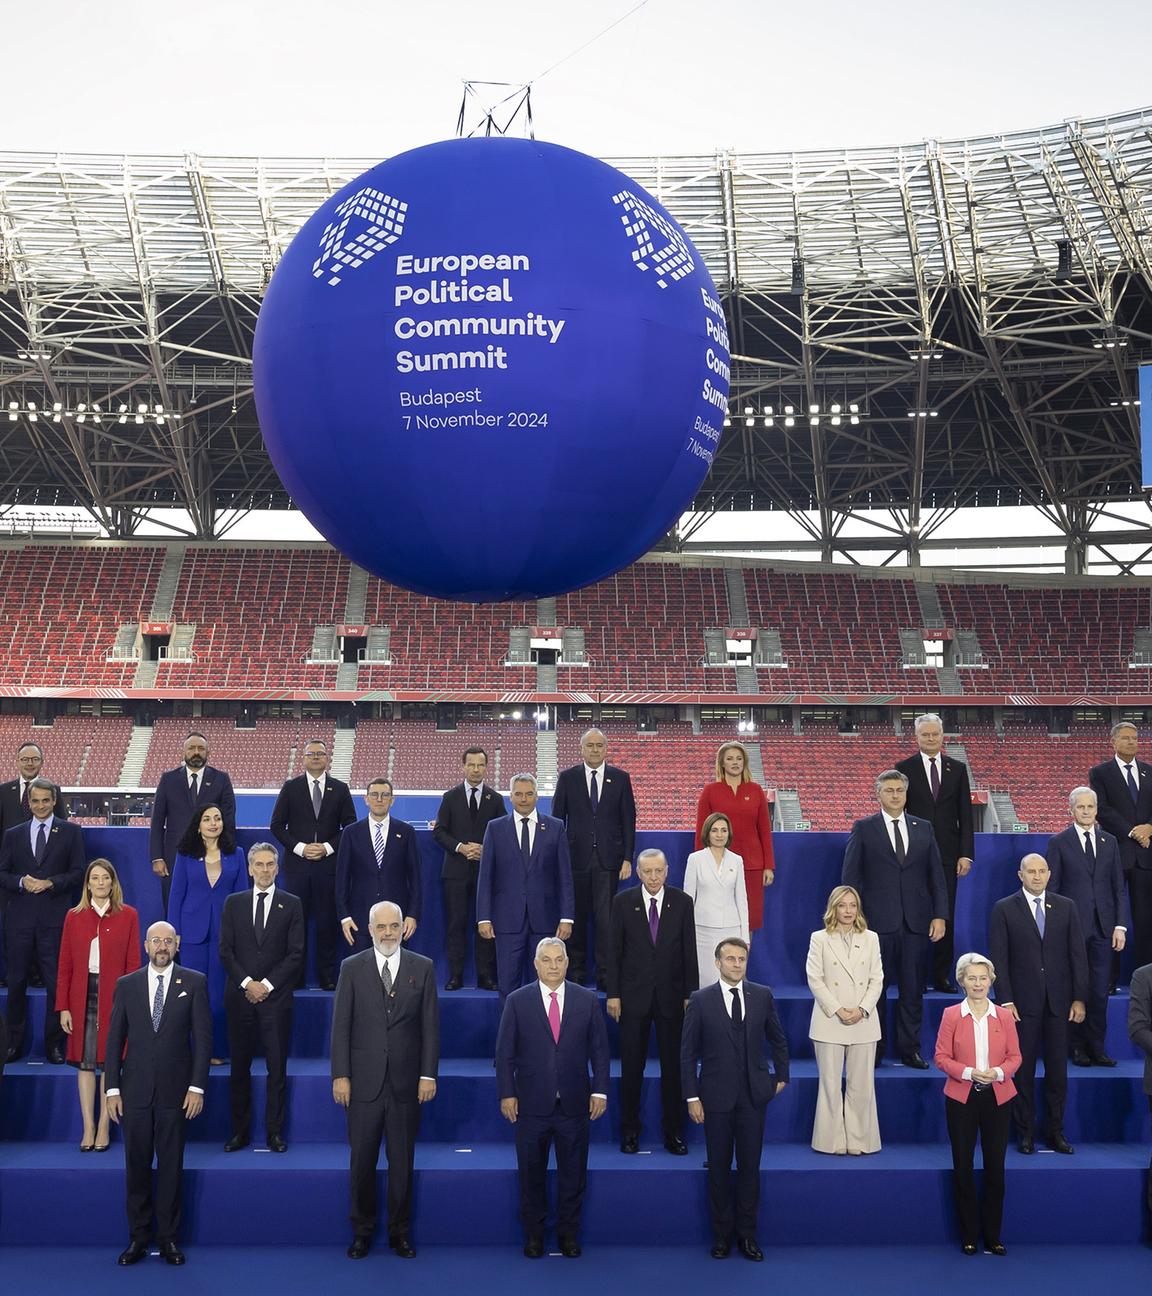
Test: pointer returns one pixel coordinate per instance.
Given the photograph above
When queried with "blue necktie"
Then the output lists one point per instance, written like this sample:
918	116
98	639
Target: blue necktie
379	847
41	843
158	1004
1039	915
525	841
1133	790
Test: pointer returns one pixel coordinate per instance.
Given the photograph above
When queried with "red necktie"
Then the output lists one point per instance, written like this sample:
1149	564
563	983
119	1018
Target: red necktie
554	1017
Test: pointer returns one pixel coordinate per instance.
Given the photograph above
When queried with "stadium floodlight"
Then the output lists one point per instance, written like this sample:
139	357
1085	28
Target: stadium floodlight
836	420
834	408
749	422
789	422
814	420
813	409
727	422
789	410
853	409
769	422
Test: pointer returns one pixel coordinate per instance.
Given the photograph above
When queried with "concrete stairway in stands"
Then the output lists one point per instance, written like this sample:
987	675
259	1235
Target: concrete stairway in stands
343	747
547	763
135	757
355	603
738	614
347	676
166	583
145	676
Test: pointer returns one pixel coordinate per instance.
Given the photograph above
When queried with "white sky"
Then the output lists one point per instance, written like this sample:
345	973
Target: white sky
348	78
358	79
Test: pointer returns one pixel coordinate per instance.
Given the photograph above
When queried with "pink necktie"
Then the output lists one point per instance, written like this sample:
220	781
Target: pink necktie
554	1017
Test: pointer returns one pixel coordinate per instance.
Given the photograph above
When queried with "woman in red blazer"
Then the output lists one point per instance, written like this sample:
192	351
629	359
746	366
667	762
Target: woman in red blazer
100	944
746	807
978	1050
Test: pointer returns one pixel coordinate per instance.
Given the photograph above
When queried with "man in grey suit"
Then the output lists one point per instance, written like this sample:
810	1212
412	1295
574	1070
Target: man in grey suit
1140	1033
385	1059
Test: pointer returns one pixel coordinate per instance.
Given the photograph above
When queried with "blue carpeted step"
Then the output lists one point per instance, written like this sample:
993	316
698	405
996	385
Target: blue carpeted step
39	1103
467	1195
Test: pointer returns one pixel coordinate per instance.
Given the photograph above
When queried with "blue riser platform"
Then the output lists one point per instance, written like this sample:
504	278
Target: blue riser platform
40	1104
470	1198
469	1020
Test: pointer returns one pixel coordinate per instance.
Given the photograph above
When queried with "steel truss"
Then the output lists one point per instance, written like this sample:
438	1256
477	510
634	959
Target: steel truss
984	302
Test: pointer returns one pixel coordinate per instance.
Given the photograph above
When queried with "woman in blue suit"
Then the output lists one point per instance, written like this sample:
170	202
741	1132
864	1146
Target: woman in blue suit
207	870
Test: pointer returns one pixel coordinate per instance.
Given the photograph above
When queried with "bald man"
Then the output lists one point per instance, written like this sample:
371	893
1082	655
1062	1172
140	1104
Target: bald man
160	1013
1037	945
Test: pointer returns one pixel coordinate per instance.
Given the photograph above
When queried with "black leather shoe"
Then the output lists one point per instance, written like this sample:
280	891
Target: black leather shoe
454	983
915	1061
236	1142
1058	1143
569	1248
997	1248
969	1248
486	985
879	1054
750	1249
675	1144
1102	1059
1026	1145
276	1143
171	1254
629	1144
402	1246
361	1245
133	1253
721	1250
327	985
534	1248
1080	1058
56	1057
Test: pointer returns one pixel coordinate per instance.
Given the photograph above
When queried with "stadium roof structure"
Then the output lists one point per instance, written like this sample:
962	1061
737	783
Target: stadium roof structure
982	303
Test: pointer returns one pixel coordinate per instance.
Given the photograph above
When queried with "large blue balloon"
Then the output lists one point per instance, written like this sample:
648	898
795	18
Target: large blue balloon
491	369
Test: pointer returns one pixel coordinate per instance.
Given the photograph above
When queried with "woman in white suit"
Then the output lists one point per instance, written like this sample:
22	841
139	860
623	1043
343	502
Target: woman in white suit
714	878
847	979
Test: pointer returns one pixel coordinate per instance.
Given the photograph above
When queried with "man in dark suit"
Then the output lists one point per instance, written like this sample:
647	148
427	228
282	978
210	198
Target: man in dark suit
1123	788
159	1041
378	860
179	794
939	791
652	970
14	810
307	820
599	812
41	864
1037	948
1140	1033
524	891
551	1035
1085	864
894	863
385	1060
465	813
729	1086
262	949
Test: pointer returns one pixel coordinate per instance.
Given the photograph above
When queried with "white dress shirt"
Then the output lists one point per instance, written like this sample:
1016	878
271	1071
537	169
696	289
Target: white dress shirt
939	759
94	948
546	996
1123	764
599	772
168	974
648	898
256	893
1031	899
468	790
298	849
393	961
980	1031
533	823
892	825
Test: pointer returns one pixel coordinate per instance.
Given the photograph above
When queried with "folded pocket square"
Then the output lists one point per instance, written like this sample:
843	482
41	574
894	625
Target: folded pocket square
182	995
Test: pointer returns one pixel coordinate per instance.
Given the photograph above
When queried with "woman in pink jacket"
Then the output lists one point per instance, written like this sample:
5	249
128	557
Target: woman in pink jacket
978	1050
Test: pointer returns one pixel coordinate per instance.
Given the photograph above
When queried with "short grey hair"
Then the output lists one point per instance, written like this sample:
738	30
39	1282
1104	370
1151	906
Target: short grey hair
260	848
965	961
523	778
1120	724
550	940
1080	791
594	729
891	776
385	904
651	853
929	717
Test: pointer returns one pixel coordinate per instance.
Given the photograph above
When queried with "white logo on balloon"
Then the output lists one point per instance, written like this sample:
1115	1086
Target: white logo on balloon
384	217
673	260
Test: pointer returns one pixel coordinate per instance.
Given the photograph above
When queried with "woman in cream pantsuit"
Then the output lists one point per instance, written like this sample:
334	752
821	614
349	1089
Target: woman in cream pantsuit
847	979
714	878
